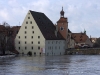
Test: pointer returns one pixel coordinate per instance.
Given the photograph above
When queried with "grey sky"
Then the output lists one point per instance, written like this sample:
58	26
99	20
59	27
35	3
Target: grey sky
81	14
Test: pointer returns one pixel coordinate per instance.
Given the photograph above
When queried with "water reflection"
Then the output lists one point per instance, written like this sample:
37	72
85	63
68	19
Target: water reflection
51	65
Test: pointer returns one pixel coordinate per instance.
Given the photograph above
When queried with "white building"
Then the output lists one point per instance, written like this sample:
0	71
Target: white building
39	36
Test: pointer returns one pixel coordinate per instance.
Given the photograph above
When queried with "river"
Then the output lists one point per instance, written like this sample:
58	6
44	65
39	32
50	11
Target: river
51	65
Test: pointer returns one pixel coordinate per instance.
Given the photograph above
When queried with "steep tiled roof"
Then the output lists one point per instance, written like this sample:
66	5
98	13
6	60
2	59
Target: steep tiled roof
79	37
62	19
46	26
69	31
15	28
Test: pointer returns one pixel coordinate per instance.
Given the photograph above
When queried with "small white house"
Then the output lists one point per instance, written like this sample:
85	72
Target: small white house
39	36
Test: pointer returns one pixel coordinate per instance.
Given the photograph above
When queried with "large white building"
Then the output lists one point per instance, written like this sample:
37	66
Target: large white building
39	36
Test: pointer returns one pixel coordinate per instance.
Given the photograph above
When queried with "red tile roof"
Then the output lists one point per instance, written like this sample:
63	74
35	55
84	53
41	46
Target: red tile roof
79	37
62	20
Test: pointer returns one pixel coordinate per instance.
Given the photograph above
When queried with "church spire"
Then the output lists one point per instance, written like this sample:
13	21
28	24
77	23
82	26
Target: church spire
62	13
84	31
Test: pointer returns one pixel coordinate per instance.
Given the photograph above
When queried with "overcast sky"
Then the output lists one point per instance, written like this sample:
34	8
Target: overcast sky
81	14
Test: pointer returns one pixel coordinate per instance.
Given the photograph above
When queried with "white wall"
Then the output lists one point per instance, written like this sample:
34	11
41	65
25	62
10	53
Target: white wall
55	47
89	42
29	39
71	42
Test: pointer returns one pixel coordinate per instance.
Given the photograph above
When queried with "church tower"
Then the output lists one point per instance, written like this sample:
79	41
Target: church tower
62	25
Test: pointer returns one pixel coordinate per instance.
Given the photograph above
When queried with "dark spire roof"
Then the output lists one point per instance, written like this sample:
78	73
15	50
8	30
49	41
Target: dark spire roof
62	13
46	27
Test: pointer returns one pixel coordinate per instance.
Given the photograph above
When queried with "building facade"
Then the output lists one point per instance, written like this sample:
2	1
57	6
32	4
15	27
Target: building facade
39	36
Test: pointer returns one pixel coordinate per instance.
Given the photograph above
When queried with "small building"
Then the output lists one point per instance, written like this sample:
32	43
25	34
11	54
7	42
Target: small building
81	39
93	39
72	39
39	36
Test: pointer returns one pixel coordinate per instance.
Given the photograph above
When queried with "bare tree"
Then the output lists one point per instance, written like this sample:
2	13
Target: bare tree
6	43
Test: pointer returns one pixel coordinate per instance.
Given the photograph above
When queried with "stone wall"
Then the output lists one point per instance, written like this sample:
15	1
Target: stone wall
88	51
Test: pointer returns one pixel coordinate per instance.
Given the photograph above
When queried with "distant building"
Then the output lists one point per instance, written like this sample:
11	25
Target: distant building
93	39
81	39
72	39
39	36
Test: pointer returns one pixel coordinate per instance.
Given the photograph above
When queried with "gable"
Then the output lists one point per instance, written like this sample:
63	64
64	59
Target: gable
46	27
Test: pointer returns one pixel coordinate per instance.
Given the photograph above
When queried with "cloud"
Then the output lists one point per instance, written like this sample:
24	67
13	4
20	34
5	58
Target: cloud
4	14
80	13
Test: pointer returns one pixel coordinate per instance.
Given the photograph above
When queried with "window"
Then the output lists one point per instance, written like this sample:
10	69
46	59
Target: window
28	17
48	42
32	42
50	47
30	22
38	48
19	37
25	42
25	37
38	36
19	42
56	42
32	37
55	47
32	27
59	47
52	42
80	39
26	22
59	42
25	32
19	48
25	47
32	47
25	27
32	31
38	42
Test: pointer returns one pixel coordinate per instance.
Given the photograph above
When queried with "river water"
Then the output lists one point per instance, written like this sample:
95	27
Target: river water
51	65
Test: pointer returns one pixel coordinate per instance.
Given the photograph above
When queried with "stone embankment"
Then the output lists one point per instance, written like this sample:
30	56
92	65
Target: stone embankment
85	51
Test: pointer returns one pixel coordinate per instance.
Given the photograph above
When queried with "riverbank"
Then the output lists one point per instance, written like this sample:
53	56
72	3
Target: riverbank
7	56
86	51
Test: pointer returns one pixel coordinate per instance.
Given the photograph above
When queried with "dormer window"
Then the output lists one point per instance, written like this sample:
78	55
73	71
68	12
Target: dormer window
80	39
74	36
81	36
